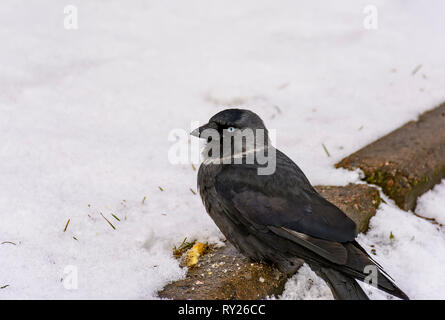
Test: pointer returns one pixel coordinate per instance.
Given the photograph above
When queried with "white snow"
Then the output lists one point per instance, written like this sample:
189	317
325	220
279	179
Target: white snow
306	285
431	204
85	117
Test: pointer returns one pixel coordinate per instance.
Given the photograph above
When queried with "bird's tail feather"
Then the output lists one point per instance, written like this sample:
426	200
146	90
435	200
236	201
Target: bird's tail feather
343	287
358	260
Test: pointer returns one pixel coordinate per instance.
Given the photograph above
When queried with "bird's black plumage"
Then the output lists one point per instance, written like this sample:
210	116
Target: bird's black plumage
280	218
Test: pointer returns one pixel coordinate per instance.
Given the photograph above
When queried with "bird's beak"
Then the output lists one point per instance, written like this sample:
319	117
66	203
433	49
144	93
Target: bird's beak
197	132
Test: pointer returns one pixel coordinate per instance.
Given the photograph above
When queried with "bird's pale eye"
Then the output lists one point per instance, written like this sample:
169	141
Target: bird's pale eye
230	129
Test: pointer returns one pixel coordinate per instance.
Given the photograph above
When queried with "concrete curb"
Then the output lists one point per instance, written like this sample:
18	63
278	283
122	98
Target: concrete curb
406	162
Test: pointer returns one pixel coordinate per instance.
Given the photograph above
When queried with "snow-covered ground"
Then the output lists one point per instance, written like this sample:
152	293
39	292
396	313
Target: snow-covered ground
85	117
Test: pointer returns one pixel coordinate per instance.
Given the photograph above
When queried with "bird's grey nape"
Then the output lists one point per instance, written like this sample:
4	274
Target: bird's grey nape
245	146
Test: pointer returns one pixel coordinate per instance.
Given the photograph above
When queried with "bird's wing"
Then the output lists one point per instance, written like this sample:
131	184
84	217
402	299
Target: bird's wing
287	205
332	251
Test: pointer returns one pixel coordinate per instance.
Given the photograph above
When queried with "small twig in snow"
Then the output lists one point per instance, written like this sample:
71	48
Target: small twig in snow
8	242
107	221
66	226
416	69
325	150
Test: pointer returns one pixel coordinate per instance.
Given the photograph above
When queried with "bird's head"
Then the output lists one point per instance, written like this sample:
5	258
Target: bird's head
231	122
237	136
233	133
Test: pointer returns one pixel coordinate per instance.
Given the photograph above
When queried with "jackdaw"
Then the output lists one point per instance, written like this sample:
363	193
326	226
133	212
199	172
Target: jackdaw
277	217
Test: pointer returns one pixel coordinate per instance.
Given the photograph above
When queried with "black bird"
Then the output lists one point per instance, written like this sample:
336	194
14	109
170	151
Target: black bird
279	218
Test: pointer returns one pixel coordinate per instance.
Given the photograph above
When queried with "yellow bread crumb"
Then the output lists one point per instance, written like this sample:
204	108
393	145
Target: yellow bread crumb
194	253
